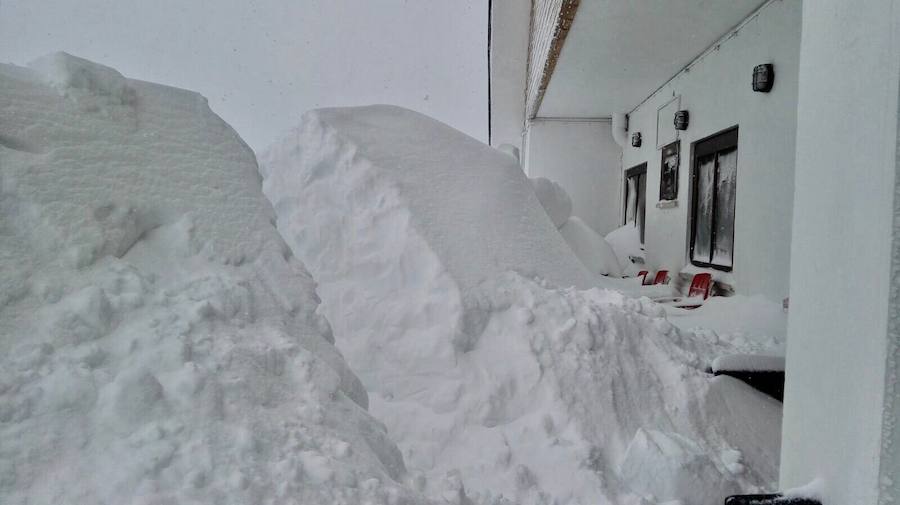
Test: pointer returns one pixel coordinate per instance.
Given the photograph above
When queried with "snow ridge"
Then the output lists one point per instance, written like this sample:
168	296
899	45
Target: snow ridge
158	341
501	383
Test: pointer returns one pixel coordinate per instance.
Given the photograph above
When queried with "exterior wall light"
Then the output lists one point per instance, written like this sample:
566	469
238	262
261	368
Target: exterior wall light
681	120
636	139
763	77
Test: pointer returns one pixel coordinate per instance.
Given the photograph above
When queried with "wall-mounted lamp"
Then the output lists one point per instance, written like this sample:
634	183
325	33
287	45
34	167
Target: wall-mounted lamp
636	139
681	120
763	77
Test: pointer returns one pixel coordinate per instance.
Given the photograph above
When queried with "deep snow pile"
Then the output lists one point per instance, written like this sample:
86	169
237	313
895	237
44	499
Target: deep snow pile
555	200
158	342
589	247
518	388
626	243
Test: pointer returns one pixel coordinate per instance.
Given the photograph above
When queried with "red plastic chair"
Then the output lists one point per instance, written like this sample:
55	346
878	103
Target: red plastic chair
700	285
643	275
662	277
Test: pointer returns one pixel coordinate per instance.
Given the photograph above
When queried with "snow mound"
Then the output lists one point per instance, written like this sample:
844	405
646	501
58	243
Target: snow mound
552	394
670	467
554	199
498	382
626	242
158	342
399	217
591	248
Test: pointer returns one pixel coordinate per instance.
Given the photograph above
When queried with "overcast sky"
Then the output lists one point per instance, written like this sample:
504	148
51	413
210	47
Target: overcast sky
262	63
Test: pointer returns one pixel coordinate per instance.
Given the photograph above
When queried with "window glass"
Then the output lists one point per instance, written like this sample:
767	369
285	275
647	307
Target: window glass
724	217
706	173
714	187
631	205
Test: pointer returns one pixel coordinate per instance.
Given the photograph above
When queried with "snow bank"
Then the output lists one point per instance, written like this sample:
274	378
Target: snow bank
514	388
159	343
626	242
593	251
554	199
550	398
753	324
399	217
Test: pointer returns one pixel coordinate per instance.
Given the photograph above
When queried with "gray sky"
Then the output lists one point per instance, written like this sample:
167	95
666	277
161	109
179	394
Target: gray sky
262	63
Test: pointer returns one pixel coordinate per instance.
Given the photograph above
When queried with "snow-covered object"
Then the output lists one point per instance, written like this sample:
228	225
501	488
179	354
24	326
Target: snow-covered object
667	466
754	324
555	200
748	363
626	242
158	341
494	384
590	247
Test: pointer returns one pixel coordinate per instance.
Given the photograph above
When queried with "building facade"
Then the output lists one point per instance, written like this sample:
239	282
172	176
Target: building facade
755	140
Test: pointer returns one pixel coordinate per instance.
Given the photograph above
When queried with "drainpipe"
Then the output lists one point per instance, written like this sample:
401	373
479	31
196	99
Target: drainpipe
620	129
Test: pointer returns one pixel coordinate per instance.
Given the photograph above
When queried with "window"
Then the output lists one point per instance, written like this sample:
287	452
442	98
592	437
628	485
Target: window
714	178
668	172
636	197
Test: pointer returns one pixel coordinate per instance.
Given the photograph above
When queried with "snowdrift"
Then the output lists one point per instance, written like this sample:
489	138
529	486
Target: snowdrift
449	290
158	341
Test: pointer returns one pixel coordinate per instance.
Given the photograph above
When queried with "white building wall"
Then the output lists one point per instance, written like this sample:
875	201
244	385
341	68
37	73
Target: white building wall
510	21
716	90
841	397
583	158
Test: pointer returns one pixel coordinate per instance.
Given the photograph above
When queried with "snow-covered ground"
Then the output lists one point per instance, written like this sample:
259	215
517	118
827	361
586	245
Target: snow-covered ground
158	341
448	288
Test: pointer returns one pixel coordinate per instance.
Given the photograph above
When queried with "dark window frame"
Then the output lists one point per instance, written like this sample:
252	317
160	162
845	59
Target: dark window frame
716	143
635	171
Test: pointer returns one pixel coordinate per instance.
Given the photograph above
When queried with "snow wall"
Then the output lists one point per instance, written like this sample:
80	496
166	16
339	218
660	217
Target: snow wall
403	217
449	291
158	341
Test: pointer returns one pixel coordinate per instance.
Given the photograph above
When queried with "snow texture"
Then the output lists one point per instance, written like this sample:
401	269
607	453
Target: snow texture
626	242
158	341
449	291
554	199
748	363
590	247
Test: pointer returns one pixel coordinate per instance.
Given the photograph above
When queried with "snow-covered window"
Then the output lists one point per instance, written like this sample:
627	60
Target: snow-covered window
636	197
714	179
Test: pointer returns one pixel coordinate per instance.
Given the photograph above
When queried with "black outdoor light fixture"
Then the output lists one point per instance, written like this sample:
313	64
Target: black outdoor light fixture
763	77
636	139
681	120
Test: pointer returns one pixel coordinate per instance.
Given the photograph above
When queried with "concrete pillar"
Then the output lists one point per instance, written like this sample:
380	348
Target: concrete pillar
840	406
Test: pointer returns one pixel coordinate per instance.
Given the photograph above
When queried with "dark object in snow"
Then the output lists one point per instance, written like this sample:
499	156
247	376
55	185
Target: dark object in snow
763	78
769	499
770	383
763	373
682	119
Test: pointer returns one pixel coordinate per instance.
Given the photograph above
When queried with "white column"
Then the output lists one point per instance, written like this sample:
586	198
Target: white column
840	397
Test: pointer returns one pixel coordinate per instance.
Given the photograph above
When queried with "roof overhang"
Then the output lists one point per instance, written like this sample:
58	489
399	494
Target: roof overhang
615	53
